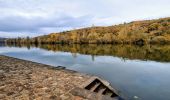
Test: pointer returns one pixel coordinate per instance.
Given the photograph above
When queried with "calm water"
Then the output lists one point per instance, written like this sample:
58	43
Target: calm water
134	71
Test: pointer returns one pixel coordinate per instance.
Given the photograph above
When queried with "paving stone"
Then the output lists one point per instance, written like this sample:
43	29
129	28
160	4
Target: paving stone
26	80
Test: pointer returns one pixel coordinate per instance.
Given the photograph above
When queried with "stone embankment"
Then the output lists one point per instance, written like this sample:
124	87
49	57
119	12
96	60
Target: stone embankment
26	80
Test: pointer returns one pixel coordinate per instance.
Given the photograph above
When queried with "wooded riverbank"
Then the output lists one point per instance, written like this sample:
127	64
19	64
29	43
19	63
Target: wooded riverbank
137	32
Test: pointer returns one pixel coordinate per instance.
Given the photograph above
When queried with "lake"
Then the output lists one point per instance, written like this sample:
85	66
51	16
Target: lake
138	72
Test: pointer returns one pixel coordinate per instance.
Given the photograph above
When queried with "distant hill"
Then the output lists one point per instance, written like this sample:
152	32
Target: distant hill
2	40
138	32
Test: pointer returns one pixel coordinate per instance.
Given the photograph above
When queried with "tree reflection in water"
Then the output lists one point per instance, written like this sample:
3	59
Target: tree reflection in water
160	53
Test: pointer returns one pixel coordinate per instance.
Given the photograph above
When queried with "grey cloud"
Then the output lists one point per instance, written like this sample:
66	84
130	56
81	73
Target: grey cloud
33	24
44	16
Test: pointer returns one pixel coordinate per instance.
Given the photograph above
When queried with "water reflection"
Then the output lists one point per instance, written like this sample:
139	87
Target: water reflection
124	66
2	44
157	53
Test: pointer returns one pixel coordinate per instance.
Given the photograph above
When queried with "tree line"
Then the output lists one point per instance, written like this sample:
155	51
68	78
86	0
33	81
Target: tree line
137	32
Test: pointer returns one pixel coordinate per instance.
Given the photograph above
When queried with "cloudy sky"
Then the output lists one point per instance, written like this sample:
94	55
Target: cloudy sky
38	17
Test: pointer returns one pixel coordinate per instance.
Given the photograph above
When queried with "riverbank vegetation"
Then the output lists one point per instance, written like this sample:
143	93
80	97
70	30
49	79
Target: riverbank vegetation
137	32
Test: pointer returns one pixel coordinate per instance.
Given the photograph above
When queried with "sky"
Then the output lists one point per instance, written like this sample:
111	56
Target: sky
21	18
